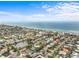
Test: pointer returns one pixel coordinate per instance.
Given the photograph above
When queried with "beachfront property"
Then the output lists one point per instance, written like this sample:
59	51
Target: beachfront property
39	29
20	42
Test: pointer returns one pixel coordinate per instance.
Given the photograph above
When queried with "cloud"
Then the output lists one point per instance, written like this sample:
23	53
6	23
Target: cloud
67	11
11	17
68	16
38	15
65	7
45	6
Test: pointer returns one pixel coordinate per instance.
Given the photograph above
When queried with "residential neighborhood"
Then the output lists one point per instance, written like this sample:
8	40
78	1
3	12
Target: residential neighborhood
21	42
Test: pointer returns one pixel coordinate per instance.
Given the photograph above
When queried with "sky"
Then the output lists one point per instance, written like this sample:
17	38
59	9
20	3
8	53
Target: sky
39	11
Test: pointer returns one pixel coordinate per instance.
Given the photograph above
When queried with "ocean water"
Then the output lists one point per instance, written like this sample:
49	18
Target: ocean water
56	26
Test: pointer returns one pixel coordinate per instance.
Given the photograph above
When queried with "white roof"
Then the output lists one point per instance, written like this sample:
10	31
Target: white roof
74	53
21	44
1	40
62	52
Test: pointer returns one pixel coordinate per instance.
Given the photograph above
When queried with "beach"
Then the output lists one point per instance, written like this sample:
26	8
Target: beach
67	27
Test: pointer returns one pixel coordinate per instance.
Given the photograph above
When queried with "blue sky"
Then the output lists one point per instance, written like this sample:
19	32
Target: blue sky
24	7
19	11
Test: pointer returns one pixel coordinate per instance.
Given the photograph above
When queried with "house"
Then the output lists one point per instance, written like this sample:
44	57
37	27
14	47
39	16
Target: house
75	55
3	51
39	56
77	46
63	52
12	54
65	49
56	40
21	44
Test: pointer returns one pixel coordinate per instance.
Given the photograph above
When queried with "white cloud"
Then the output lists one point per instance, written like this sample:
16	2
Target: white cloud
64	11
38	15
64	8
11	17
45	6
60	12
68	16
50	9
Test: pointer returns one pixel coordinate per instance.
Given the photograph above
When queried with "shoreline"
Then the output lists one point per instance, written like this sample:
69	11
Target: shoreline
30	39
56	30
53	30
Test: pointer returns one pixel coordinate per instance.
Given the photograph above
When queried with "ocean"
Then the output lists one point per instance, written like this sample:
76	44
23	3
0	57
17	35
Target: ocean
54	26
